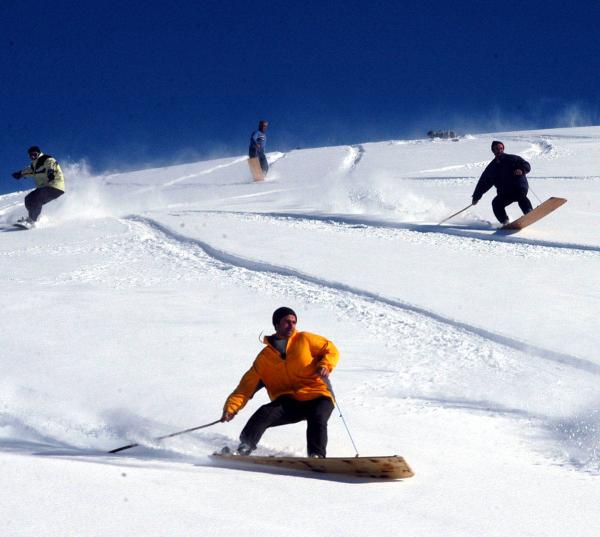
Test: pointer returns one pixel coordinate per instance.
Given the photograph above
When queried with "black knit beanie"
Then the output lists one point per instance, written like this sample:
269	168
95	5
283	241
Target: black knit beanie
280	313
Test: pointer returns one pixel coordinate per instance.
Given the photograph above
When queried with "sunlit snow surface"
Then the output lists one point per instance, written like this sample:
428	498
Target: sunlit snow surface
138	302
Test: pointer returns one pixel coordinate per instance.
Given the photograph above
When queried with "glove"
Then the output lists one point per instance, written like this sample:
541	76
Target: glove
475	201
227	416
50	176
17	175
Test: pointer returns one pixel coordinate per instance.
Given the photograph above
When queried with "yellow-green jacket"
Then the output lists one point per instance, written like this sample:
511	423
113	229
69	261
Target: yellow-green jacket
45	172
295	375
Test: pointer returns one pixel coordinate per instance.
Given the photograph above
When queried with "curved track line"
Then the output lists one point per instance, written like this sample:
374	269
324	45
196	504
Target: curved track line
275	156
204	172
470	232
260	266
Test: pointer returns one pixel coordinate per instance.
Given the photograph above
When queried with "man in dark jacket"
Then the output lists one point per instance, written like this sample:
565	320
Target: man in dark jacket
508	173
258	141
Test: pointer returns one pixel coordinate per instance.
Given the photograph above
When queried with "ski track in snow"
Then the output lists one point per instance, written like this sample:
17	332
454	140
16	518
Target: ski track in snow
467	165
540	148
263	267
436	357
445	180
145	188
272	158
451	237
200	174
126	253
448	353
123	255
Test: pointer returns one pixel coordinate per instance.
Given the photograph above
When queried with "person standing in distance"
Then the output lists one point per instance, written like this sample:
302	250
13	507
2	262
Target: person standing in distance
293	367
508	173
50	184
258	141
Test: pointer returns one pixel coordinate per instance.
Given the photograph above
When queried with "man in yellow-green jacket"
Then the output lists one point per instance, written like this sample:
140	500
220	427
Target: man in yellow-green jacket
294	368
49	180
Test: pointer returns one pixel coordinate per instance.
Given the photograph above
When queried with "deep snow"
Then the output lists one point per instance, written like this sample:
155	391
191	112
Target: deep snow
136	305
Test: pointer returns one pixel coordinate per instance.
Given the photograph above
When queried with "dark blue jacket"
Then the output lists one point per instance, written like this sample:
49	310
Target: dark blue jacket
258	140
501	174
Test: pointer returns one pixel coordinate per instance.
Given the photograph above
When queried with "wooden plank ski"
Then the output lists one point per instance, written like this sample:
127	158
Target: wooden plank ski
543	209
257	173
388	467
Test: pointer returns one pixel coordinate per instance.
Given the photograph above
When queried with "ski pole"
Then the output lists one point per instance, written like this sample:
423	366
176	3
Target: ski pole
455	214
535	195
167	436
328	382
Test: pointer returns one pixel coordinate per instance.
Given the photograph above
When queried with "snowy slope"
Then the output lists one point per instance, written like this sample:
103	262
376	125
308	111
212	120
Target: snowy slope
134	308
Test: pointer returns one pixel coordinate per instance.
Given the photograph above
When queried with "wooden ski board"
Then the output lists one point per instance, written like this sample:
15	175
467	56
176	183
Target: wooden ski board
538	213
388	467
257	173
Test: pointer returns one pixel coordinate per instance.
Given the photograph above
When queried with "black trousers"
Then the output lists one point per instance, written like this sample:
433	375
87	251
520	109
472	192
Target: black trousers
286	410
501	201
40	196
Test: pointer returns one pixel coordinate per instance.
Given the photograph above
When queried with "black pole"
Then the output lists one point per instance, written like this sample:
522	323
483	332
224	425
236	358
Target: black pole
167	436
455	214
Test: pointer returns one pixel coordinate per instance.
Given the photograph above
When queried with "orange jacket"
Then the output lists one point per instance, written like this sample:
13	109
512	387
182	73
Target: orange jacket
296	375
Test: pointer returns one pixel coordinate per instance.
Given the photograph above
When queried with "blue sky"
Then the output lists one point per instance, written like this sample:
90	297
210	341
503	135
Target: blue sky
132	84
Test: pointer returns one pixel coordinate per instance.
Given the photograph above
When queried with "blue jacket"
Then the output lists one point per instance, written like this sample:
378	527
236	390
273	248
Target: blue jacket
501	174
258	141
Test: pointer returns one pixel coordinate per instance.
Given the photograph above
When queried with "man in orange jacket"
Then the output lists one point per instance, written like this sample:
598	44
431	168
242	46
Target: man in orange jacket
293	367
